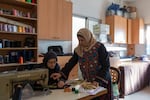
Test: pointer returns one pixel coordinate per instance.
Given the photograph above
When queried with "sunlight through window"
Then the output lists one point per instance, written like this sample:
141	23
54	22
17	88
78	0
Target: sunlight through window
148	40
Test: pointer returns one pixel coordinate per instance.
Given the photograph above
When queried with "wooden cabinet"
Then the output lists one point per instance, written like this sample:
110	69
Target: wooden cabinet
18	32
135	34
118	28
62	60
67	21
43	26
55	20
138	36
129	31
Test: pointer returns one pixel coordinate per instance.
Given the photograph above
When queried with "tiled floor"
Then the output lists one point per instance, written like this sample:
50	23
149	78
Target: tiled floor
141	95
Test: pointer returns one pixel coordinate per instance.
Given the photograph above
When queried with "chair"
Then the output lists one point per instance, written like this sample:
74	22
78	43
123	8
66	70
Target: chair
115	76
57	49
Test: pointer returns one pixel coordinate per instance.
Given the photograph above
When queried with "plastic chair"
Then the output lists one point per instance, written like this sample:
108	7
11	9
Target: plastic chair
115	76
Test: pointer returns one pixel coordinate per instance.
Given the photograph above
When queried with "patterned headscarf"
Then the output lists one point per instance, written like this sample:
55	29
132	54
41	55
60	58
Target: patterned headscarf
88	36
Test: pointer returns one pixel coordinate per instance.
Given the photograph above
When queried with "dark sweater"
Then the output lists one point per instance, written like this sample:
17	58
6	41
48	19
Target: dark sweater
51	81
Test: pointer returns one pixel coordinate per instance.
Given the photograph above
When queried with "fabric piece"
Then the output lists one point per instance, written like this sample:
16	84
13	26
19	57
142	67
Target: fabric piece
134	76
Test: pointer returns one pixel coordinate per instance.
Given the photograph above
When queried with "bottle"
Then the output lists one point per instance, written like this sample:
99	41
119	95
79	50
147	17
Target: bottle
17	93
6	59
1	59
21	60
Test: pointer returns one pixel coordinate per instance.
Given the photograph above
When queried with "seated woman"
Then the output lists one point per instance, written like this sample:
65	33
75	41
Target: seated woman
50	62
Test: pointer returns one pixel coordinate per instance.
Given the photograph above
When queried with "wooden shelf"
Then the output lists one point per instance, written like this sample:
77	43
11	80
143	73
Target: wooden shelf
26	4
25	48
16	64
17	33
20	3
18	18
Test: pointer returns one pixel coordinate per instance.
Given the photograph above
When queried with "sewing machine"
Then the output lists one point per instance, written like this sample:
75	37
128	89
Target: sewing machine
8	80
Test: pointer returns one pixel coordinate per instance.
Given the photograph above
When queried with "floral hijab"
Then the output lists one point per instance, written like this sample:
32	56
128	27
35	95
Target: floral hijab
89	38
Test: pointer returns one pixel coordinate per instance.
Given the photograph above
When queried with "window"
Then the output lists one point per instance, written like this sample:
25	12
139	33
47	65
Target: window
78	22
81	22
148	39
91	22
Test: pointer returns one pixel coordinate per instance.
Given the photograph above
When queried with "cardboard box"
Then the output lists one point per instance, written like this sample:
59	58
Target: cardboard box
133	15
131	9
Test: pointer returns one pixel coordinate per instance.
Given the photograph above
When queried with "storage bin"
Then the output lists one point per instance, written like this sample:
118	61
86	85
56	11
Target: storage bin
131	9
110	12
119	13
126	15
133	15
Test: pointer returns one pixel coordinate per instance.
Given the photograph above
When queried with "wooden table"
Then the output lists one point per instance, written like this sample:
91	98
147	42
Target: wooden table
59	94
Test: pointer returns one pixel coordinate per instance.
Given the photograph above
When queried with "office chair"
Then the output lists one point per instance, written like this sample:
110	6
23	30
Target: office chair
115	76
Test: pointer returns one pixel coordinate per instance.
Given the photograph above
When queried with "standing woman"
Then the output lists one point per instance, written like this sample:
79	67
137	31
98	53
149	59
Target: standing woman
93	61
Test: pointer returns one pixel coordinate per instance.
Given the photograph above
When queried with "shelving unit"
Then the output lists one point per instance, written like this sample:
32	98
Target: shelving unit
18	24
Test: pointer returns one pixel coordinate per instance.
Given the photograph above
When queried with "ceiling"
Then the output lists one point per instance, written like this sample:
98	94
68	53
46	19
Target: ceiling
129	0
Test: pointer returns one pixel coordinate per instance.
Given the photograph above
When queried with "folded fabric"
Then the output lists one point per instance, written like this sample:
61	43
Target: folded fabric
92	91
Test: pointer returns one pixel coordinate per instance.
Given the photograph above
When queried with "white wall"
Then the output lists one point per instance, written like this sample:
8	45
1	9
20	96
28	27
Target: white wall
143	7
91	8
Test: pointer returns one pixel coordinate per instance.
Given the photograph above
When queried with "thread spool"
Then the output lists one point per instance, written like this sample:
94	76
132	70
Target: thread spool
21	60
29	1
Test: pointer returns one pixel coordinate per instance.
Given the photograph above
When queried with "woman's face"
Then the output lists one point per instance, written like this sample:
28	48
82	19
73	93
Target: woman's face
82	41
51	63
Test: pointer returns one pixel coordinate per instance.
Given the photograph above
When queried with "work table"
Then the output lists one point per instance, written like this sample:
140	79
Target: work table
59	94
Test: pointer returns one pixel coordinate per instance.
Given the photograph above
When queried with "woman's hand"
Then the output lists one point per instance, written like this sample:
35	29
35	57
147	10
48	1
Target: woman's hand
61	84
55	76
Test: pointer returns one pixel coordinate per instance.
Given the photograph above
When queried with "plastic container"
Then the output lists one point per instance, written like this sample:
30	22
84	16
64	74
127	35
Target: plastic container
29	1
119	13
133	15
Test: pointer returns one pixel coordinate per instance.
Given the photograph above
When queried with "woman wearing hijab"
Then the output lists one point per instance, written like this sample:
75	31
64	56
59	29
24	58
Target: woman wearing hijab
93	61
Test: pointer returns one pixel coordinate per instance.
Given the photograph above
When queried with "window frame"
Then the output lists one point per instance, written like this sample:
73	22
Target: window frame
87	21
